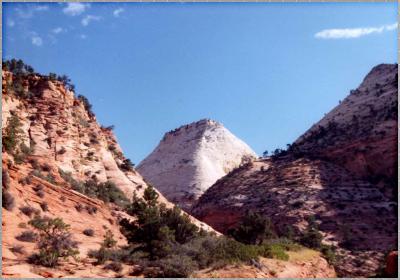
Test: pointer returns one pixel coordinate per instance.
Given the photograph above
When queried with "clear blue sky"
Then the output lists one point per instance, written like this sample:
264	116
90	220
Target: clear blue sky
259	68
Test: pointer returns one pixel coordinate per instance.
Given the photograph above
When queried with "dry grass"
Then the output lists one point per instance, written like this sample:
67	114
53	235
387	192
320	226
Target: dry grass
303	255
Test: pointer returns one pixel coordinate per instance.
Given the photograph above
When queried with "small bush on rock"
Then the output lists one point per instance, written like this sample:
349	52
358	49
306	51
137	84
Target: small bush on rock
44	206
127	165
40	193
114	266
173	266
55	241
312	238
8	201
12	134
29	210
5	179
109	241
254	229
17	249
91	209
27	236
88	232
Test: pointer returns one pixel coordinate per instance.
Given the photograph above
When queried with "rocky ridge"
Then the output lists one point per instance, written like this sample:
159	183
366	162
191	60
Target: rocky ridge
361	132
340	173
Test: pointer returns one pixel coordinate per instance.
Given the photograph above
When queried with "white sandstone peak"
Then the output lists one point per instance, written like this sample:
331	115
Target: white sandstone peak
191	158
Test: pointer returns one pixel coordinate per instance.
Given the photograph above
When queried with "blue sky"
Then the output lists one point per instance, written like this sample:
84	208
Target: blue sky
266	71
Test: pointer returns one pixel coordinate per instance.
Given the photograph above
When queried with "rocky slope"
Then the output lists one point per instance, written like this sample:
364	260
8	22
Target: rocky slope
62	202
361	132
305	263
189	159
56	146
57	127
340	172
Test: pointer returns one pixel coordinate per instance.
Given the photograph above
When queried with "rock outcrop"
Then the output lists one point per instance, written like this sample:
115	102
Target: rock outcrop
57	145
340	172
57	127
189	159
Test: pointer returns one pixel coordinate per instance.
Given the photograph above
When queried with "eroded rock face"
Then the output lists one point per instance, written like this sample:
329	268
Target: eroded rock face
191	158
361	132
55	201
329	173
58	128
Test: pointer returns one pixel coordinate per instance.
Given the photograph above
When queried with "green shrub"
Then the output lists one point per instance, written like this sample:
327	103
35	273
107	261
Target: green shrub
79	207
172	246
27	236
311	237
86	104
40	193
19	158
157	228
17	67
62	151
44	205
114	266
164	243
254	229
329	254
38	188
173	266
18	249
88	232
55	241
37	173
5	179
22	225
50	178
106	250
107	191
285	243
29	210
102	255
67	177
277	251
150	195
232	251
12	134
46	167
288	232
8	201
109	241
127	165
91	209
25	150
52	76
17	88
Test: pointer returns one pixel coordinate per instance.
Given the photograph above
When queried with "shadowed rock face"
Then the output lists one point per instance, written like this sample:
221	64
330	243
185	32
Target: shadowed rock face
361	132
340	174
191	158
